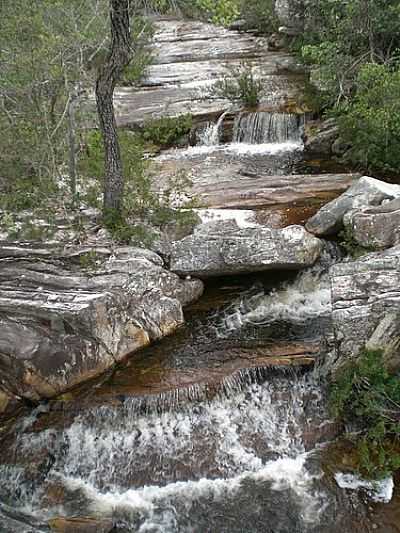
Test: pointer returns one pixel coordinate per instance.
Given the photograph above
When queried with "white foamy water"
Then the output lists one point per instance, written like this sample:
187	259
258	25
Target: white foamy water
233	149
307	297
155	504
244	218
146	463
378	491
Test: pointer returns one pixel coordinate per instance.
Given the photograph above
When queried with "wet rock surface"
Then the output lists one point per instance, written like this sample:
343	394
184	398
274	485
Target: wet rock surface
222	248
365	192
68	314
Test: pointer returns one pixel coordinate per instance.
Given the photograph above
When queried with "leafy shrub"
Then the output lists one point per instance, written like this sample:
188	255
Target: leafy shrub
367	396
240	85
134	72
371	121
260	14
221	12
166	131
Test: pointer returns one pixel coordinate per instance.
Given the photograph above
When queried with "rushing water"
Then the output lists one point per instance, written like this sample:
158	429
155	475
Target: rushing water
200	433
265	127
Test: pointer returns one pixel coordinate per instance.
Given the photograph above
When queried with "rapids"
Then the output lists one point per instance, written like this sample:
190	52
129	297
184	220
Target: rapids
222	427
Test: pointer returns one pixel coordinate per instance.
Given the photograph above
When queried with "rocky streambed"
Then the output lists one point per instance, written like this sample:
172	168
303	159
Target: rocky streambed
144	406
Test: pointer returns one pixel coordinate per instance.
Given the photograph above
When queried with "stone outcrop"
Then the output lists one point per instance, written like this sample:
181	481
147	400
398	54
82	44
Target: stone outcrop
69	314
386	337
222	248
188	58
375	227
321	137
364	294
365	192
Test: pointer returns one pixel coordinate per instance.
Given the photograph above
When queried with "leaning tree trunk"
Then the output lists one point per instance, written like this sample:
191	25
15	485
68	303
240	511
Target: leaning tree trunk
109	74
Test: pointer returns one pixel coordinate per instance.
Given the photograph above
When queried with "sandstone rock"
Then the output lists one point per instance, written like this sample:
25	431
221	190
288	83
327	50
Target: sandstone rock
364	292
68	314
365	192
222	248
377	227
81	525
188	58
321	138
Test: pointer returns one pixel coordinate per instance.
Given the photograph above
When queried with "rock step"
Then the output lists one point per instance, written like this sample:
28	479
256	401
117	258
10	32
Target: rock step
63	321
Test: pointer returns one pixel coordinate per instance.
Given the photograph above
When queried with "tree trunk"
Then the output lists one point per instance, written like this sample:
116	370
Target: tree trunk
109	74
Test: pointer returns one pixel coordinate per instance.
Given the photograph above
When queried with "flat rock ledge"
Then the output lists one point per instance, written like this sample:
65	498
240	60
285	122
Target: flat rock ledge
222	248
68	314
363	193
366	304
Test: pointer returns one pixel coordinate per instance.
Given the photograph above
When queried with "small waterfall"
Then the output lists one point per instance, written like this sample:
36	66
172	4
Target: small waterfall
264	127
210	135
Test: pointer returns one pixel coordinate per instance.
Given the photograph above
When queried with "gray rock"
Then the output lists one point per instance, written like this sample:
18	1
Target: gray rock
221	248
377	227
69	314
365	192
320	139
364	292
386	336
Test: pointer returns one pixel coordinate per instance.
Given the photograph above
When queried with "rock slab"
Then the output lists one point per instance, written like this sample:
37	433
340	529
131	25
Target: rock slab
222	248
365	192
69	314
364	293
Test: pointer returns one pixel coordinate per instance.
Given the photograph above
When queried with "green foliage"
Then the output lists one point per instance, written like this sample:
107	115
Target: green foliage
367	396
144	209
44	48
134	72
166	131
26	193
260	15
89	260
221	12
241	85
371	121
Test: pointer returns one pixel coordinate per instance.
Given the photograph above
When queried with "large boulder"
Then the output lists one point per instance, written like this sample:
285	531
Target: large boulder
365	192
375	227
222	248
364	293
69	314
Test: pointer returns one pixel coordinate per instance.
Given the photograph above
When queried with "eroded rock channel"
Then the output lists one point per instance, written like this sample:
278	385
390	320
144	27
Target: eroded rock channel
222	426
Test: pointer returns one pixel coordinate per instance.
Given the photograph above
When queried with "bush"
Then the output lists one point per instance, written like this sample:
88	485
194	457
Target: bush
221	12
134	72
240	85
144	209
371	121
165	131
260	14
367	396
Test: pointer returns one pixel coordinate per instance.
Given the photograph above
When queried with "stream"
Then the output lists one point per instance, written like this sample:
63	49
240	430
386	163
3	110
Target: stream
223	427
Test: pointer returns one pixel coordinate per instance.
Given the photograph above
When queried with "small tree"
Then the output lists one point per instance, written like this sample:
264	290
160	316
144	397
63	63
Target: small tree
118	59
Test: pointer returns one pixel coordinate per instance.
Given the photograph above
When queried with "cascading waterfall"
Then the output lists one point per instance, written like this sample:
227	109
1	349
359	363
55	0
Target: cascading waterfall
263	127
210	136
138	466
